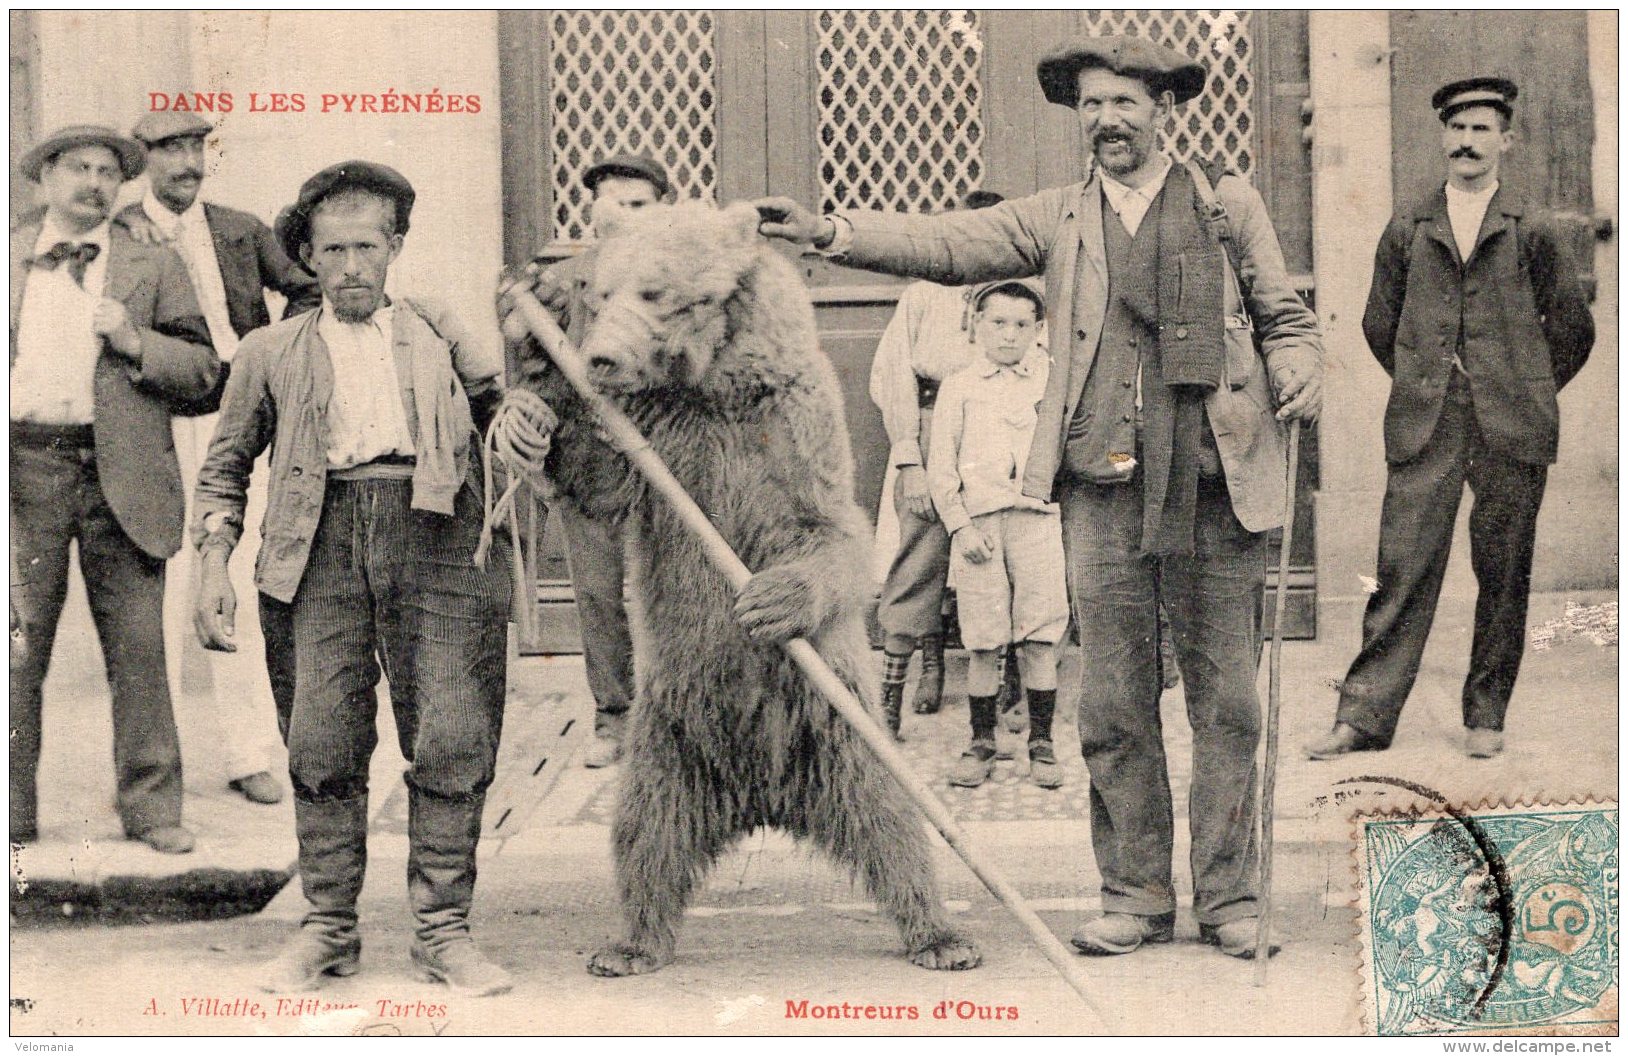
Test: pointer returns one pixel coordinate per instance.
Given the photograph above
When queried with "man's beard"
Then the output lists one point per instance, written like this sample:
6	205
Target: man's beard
353	310
1137	146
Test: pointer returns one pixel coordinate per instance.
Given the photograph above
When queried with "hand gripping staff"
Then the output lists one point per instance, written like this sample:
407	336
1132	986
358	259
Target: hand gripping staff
625	436
1274	690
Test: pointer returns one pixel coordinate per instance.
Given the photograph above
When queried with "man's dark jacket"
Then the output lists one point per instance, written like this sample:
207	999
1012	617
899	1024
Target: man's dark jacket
251	262
1515	315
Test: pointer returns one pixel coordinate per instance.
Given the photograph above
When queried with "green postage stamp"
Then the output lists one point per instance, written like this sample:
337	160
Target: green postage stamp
1498	920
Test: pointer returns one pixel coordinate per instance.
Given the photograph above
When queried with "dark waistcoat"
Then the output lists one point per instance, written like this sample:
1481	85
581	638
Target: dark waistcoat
1104	422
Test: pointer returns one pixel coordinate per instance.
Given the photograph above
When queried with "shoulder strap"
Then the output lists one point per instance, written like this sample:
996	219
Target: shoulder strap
1215	217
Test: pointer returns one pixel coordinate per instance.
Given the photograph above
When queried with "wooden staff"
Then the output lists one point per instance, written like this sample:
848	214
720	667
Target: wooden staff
626	438
1274	688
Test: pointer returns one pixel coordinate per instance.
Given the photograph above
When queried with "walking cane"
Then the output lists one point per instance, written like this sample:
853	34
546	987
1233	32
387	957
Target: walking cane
1274	685
627	438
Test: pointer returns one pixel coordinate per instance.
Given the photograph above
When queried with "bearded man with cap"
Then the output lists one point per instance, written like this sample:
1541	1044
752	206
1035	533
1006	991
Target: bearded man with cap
1476	313
370	535
620	184
1160	433
107	342
232	258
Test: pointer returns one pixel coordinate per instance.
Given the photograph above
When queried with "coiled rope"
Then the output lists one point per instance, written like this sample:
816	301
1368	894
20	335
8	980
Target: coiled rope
518	439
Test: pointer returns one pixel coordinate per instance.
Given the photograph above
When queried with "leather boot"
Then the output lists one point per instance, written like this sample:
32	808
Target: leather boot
892	706
333	858
930	690
442	834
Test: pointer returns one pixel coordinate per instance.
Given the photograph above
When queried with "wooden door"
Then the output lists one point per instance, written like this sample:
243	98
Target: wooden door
900	110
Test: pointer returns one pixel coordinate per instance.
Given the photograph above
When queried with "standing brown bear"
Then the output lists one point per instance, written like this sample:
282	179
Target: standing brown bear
706	337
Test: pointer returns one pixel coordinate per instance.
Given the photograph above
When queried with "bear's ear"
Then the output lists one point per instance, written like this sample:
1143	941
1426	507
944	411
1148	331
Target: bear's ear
741	218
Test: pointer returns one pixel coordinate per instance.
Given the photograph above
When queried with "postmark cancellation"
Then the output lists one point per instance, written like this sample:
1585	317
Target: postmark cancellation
1489	919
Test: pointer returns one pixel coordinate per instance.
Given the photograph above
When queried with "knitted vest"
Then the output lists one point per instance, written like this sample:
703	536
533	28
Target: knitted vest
1102	437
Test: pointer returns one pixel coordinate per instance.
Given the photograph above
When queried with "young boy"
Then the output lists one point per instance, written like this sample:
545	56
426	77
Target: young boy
1006	549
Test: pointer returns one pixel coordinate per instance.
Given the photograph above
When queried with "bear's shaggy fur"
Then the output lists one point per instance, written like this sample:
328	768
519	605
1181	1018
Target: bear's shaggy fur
706	337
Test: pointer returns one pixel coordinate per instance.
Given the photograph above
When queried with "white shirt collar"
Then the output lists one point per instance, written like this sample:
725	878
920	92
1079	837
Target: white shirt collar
1117	192
989	368
1473	196
167	220
52	232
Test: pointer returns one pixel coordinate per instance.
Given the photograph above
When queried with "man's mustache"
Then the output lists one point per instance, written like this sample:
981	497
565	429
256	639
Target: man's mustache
1106	135
195	174
91	198
1465	152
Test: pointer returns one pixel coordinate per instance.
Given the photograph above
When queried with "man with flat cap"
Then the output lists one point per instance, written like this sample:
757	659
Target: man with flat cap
619	184
107	342
1476	313
1161	435
232	259
370	536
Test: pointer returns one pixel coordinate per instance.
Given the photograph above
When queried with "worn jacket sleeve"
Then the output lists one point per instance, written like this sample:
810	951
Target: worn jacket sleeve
284	276
248	420
1385	295
944	457
1011	240
893	380
178	362
476	362
1288	330
1568	326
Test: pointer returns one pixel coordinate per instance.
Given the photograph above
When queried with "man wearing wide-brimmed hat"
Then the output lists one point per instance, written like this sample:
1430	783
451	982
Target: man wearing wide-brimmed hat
232	259
107	342
1476	313
370	407
1161	435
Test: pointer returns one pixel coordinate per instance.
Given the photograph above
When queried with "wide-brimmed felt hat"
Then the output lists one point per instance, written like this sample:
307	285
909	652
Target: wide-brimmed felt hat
1159	67
1496	92
293	226
132	157
155	128
629	166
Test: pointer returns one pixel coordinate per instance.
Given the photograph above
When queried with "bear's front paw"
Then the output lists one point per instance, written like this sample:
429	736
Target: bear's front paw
776	605
948	953
621	958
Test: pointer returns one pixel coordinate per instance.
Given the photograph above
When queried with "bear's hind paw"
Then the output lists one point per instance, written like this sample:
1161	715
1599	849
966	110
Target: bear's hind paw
948	953
621	958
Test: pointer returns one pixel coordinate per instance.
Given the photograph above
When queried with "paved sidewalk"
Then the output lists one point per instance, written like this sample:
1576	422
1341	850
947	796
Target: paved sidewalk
775	923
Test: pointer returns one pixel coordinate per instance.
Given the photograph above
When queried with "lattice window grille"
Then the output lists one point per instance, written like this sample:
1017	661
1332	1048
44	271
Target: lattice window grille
1219	124
643	82
900	124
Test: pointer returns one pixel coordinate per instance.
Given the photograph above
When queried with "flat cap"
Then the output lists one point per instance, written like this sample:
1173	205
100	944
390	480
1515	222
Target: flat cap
132	158
1496	92
293	226
156	127
632	167
1157	66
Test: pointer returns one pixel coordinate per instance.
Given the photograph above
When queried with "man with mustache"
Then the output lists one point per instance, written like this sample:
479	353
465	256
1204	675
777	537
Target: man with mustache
232	259
1160	434
107	342
370	407
1476	313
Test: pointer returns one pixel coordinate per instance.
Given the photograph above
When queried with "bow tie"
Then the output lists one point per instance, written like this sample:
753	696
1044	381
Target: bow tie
77	254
